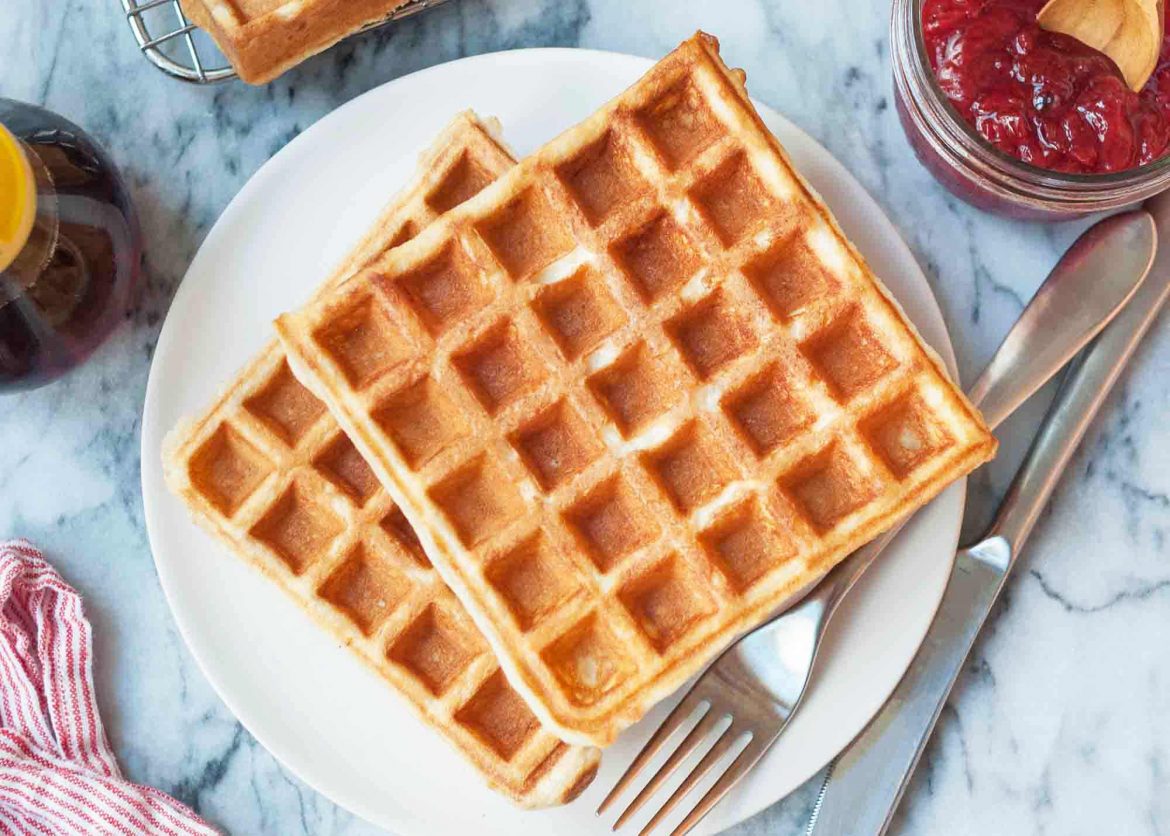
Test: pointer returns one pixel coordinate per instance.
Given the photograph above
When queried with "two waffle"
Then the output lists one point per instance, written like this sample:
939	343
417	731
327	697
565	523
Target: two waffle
269	473
635	395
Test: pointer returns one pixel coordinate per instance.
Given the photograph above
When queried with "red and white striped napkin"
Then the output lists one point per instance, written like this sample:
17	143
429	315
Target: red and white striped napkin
57	771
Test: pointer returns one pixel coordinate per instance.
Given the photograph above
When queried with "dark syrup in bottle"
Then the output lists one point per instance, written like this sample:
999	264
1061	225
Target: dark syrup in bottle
73	278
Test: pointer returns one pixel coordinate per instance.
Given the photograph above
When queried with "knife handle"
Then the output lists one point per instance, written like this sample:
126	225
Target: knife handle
869	778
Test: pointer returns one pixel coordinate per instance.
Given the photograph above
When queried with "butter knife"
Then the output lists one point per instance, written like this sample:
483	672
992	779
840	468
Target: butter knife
864	785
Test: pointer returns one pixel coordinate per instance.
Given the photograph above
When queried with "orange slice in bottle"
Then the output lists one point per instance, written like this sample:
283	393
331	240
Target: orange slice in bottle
18	198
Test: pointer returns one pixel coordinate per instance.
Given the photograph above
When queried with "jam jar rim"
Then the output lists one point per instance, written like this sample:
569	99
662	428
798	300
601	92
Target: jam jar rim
963	147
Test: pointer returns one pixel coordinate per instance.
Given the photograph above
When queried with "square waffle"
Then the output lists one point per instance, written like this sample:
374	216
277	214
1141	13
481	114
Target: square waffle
636	394
263	38
270	474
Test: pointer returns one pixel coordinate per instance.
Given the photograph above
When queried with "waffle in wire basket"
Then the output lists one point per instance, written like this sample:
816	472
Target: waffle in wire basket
168	38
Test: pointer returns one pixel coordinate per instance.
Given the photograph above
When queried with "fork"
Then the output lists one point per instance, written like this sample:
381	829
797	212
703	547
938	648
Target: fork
752	690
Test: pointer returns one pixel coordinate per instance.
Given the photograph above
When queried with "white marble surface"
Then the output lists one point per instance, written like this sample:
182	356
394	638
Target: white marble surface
1060	724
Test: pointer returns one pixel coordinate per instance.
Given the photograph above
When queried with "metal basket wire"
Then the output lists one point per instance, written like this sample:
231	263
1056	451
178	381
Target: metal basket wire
168	40
182	50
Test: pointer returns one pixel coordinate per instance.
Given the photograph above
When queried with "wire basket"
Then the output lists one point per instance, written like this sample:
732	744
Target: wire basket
184	51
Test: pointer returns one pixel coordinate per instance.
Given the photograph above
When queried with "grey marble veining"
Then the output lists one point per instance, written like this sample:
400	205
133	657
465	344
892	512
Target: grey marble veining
1060	724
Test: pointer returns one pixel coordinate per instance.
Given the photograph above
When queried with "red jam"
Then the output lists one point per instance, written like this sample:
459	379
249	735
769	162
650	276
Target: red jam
1043	97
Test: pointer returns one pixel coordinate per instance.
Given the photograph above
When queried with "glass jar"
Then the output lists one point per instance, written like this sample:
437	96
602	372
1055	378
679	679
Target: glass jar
70	249
981	174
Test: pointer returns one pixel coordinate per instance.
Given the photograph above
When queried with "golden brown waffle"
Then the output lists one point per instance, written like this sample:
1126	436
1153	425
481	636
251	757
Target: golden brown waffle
263	38
269	473
636	394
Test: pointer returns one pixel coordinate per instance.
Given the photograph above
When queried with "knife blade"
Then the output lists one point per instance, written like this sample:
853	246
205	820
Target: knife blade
864	785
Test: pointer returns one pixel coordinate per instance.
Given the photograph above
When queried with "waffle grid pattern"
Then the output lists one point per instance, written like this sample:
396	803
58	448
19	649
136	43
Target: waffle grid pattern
270	473
635	395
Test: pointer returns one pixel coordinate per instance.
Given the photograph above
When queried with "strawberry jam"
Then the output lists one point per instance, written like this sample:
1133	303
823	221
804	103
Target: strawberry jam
1043	97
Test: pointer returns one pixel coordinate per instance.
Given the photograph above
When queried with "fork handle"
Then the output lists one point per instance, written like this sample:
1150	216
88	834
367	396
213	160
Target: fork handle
835	586
1087	287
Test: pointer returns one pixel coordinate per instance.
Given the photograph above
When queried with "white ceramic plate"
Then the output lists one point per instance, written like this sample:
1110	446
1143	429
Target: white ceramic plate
317	709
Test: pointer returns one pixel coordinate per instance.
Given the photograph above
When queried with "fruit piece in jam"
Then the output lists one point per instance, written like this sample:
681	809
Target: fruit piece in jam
1040	96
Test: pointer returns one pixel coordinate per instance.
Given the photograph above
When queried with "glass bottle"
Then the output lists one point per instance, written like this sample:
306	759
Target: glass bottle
70	247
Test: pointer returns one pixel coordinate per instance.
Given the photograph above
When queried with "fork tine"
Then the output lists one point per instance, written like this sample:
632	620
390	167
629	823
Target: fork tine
725	741
697	735
743	762
670	725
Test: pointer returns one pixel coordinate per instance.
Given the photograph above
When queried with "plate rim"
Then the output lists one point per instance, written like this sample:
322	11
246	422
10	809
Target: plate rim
152	433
